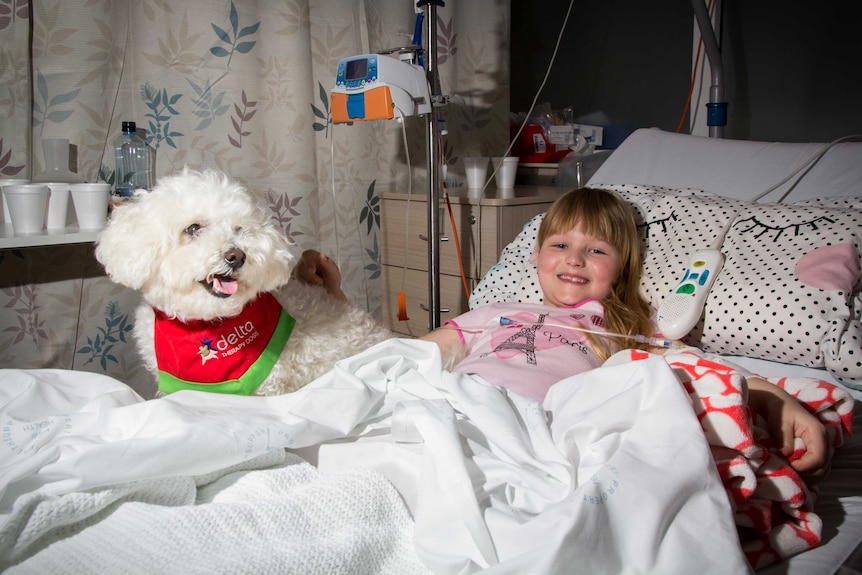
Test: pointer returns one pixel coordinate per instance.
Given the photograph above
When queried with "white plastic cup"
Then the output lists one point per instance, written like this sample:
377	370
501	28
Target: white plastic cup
475	169
58	205
9	182
91	204
507	169
27	204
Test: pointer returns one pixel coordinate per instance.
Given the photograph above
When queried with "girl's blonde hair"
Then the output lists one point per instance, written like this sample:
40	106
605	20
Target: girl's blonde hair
603	214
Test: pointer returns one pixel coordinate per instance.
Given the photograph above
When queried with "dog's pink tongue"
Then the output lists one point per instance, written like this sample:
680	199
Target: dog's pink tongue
225	286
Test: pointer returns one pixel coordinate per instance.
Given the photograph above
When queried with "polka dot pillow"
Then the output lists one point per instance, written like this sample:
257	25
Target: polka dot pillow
789	290
790	287
514	277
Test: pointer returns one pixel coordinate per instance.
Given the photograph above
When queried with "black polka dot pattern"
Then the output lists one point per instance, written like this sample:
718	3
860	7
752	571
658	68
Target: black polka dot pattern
758	306
761	307
514	277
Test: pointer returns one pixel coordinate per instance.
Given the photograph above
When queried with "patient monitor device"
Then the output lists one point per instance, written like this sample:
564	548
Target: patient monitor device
373	86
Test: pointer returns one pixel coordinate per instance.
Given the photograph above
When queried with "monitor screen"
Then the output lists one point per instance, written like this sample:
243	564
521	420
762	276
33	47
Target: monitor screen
357	69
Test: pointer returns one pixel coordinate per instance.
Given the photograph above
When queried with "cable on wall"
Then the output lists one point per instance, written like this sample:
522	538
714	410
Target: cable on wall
513	139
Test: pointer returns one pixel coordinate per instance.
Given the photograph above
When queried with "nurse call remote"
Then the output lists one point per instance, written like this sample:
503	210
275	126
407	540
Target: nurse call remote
680	311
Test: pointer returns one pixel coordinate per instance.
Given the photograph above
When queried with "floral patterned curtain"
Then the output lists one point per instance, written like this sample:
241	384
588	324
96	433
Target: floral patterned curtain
237	85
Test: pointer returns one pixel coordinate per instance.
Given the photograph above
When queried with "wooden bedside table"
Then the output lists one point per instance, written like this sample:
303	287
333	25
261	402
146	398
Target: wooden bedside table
501	220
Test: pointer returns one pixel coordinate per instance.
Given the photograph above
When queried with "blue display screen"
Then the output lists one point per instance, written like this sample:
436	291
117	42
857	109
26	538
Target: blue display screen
356	69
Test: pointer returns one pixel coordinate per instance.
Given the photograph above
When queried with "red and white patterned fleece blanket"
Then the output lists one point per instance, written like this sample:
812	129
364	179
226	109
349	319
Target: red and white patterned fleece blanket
773	506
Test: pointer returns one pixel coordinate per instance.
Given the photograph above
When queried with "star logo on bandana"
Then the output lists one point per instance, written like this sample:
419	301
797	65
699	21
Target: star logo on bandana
206	350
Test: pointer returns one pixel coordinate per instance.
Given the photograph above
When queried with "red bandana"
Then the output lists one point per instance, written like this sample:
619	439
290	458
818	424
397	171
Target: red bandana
232	355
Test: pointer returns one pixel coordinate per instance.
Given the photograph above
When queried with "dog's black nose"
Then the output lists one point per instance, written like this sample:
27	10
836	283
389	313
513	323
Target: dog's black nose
235	258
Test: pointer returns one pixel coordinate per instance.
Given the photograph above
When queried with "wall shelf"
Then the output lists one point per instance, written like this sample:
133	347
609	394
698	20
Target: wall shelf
68	235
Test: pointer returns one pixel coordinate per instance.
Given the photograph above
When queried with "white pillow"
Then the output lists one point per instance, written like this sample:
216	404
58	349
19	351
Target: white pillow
789	290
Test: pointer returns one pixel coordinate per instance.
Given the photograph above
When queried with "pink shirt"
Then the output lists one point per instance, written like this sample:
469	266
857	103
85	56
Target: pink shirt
534	347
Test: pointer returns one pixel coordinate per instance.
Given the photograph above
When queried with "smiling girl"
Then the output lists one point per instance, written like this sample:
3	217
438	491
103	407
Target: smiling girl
589	267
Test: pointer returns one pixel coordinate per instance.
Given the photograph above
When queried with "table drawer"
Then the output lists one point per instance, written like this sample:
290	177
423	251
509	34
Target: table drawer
452	297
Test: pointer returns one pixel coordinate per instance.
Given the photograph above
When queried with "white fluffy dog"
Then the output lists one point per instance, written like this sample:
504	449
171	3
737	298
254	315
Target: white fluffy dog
211	264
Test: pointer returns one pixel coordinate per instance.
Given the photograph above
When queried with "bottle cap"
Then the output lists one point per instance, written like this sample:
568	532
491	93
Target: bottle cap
129	127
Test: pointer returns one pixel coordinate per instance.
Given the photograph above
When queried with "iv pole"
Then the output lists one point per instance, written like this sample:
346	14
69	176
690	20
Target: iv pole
433	139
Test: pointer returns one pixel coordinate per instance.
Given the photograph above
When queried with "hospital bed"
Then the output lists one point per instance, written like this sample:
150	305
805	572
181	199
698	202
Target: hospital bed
390	464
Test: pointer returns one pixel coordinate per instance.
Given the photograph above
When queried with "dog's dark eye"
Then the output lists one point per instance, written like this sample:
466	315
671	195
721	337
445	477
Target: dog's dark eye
193	230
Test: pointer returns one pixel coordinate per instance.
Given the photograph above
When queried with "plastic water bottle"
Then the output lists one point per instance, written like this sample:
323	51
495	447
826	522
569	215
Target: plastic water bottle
133	166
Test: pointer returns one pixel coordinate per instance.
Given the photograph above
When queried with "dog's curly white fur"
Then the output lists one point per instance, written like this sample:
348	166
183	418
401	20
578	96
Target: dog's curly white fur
200	247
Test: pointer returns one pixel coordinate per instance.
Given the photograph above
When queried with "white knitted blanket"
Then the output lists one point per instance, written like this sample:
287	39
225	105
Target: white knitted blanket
285	517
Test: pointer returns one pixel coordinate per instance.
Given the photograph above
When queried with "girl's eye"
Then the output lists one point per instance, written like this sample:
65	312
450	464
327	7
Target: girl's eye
193	230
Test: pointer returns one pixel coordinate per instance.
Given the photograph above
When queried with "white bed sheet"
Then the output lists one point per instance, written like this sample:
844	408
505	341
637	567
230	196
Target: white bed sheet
492	486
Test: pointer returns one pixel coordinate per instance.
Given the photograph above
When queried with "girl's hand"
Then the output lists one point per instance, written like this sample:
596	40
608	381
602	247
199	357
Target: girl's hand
787	419
317	269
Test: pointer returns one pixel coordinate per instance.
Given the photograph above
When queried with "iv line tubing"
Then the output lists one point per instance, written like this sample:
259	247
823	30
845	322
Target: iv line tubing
457	241
517	134
409	192
538	93
504	321
810	162
334	198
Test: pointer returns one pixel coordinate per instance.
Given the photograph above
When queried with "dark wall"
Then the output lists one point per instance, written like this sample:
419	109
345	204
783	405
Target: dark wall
793	69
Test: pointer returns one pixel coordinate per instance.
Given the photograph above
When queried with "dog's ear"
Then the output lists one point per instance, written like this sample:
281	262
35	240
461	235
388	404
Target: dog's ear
122	255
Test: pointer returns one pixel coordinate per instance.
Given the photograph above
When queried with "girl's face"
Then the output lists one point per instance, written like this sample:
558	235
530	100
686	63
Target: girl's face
574	266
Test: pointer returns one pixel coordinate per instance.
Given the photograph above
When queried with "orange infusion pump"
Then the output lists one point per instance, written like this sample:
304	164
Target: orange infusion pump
372	86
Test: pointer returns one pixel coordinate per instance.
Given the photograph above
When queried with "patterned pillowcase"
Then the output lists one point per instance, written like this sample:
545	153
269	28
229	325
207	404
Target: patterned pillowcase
514	277
790	288
789	291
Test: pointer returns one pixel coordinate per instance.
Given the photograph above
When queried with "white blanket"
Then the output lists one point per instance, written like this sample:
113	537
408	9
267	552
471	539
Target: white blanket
285	519
611	475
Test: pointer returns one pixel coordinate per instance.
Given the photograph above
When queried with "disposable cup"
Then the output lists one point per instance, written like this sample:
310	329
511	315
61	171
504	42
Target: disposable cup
27	204
9	182
507	169
91	204
475	169
58	205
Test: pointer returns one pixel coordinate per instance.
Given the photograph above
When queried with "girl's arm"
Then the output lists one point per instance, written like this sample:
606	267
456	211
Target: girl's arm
449	340
446	337
788	419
